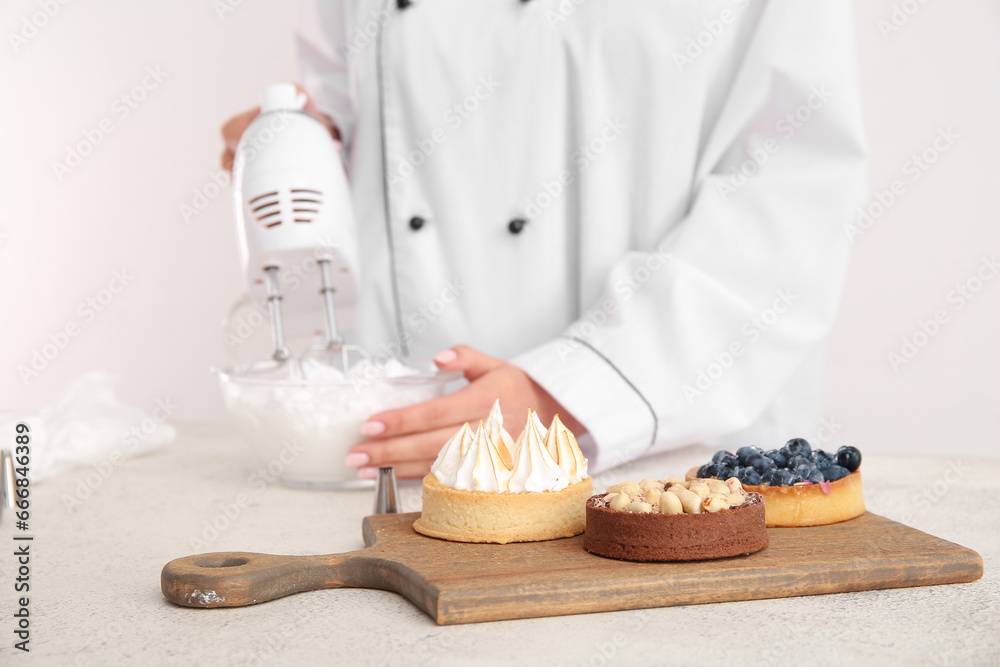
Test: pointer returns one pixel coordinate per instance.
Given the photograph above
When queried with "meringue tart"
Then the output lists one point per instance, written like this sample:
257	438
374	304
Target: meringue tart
487	487
500	518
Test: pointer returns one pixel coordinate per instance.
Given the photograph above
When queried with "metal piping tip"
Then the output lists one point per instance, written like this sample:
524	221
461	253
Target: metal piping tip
386	492
7	485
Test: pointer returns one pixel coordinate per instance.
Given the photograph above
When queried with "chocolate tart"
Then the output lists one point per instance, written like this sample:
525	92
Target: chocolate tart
736	531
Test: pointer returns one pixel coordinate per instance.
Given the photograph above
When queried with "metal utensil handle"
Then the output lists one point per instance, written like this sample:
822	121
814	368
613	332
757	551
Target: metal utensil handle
281	352
333	338
7	482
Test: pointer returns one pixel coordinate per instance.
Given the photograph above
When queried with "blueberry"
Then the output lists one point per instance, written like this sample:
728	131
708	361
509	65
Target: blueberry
771	477
835	472
749	476
785	477
730	461
823	464
716	470
744	453
815	476
808	474
849	457
820	455
780	460
798	462
762	464
798	447
719	455
785	452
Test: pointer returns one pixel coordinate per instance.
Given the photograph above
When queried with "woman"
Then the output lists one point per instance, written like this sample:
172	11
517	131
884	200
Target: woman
633	214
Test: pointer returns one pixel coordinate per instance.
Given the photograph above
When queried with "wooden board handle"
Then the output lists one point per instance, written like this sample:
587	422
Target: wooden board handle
234	579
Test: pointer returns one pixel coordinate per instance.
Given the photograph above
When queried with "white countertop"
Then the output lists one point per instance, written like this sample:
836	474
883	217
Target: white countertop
96	599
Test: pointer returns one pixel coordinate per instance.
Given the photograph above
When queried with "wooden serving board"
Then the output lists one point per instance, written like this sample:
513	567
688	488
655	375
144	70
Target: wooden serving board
467	583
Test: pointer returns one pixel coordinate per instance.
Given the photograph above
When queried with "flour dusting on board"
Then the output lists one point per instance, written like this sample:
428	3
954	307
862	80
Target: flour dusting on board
203	598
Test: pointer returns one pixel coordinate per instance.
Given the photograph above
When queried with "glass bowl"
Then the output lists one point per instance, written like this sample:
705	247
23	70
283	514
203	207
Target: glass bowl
302	429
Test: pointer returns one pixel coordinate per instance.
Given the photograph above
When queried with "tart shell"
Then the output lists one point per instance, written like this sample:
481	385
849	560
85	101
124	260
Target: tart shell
499	518
809	504
675	537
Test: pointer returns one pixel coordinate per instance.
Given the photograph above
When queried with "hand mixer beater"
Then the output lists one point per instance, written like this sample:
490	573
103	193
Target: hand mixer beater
294	216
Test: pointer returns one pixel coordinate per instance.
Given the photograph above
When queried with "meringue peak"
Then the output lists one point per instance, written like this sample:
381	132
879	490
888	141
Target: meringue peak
488	459
482	468
564	449
535	469
499	435
542	431
446	465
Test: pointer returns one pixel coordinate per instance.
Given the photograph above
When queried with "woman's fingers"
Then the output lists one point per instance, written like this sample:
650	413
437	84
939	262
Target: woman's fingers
468	404
234	128
417	447
473	363
410	438
311	109
231	131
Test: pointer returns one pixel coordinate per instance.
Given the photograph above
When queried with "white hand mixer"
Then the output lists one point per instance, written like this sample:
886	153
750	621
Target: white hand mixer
296	224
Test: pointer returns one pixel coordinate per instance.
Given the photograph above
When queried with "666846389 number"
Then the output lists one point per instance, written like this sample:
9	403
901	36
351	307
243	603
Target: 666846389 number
22	462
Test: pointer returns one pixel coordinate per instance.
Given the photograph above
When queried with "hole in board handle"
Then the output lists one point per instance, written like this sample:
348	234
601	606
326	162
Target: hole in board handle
224	562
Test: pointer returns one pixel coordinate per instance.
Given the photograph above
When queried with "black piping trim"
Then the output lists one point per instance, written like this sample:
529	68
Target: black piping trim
397	309
656	420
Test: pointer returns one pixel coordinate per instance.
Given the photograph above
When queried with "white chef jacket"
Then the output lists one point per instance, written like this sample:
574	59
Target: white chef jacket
642	204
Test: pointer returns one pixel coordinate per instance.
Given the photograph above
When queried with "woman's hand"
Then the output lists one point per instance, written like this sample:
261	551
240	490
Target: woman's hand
234	128
410	438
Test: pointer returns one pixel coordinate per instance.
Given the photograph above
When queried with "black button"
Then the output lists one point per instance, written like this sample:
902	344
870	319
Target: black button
416	222
402	4
516	225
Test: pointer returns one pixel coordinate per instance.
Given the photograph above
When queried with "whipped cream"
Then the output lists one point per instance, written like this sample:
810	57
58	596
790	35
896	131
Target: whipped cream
320	410
488	459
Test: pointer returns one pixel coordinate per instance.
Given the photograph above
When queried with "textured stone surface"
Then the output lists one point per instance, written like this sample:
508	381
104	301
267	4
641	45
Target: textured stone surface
95	596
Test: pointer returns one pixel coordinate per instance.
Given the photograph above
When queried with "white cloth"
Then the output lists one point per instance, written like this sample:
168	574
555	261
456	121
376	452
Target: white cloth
616	129
88	425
